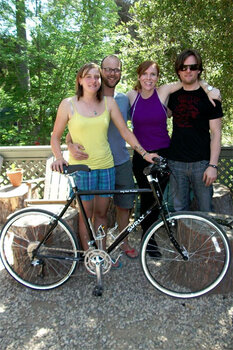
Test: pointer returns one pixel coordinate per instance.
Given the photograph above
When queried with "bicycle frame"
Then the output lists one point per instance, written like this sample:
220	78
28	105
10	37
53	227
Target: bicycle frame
77	194
158	204
155	188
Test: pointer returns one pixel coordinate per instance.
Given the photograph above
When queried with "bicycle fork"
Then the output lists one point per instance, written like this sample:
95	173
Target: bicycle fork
156	189
181	249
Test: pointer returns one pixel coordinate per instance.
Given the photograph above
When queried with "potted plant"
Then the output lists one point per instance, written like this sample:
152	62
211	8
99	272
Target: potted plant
15	175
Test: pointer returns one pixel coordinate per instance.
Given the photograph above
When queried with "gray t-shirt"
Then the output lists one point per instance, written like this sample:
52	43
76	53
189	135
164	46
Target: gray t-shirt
117	143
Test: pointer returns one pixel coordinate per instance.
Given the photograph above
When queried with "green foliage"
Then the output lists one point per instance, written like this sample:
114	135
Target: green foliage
163	28
63	36
37	73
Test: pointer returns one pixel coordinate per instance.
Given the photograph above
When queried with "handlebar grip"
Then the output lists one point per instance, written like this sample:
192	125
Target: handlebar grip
158	160
75	167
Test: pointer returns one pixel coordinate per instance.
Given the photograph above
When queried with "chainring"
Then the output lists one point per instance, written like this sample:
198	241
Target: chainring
95	256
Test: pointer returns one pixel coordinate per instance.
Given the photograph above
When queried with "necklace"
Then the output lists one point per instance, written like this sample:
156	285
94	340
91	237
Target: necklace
88	107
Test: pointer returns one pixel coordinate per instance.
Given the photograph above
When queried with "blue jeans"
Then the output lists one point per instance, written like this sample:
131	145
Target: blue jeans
187	176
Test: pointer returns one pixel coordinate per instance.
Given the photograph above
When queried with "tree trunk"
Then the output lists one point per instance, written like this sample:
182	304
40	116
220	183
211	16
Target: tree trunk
21	48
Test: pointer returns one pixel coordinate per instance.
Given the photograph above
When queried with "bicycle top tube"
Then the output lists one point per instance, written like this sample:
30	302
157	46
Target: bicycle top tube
126	191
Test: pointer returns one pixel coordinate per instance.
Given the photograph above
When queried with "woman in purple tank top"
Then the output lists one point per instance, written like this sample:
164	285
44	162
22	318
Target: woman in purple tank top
149	120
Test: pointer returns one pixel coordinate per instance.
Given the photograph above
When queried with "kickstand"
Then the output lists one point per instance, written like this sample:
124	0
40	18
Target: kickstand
98	290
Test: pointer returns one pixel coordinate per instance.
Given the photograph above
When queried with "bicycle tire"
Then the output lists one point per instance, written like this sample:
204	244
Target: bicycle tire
22	233
206	246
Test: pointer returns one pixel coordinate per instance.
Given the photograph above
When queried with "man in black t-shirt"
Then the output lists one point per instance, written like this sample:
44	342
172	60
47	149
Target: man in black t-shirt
196	137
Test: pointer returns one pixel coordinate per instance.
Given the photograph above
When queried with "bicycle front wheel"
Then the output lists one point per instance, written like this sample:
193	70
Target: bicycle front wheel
49	266
204	244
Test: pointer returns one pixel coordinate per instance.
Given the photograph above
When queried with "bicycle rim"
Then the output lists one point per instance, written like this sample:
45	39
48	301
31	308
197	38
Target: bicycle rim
207	249
21	235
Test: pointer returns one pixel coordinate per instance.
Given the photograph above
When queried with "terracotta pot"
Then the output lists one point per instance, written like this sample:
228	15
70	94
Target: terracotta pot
15	176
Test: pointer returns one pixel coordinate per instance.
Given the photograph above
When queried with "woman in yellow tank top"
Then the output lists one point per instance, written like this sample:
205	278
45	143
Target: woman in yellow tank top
87	115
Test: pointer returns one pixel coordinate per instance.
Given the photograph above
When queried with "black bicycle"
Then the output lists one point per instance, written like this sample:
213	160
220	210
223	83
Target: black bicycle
183	254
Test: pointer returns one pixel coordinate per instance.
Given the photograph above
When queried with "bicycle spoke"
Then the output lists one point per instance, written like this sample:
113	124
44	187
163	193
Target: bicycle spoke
38	269
207	250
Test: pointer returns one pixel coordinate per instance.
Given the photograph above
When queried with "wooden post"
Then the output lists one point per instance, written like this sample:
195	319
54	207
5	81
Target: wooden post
11	199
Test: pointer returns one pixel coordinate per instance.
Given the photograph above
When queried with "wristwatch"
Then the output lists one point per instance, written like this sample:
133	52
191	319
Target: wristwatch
209	88
213	166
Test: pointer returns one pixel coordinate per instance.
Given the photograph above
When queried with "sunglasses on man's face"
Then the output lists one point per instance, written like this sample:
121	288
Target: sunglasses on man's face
185	67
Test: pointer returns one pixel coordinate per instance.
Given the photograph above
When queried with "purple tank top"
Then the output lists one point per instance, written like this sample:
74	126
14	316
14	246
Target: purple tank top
149	121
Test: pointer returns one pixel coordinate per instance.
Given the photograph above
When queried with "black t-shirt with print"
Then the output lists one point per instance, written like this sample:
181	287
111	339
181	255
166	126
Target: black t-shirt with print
191	112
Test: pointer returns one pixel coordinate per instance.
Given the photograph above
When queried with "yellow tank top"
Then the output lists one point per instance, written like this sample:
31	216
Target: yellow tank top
91	132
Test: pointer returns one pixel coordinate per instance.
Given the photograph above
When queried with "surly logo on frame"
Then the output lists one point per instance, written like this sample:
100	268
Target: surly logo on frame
137	222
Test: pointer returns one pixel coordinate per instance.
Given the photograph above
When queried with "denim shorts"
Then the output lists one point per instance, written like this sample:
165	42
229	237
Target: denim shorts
99	179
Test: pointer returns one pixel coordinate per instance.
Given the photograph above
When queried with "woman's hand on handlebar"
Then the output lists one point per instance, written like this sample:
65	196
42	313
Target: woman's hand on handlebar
57	165
149	157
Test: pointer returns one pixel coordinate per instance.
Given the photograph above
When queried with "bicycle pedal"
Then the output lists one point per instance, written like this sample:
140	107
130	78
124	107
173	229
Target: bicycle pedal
97	291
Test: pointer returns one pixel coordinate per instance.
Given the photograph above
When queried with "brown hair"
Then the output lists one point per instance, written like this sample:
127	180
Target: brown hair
142	68
183	56
83	71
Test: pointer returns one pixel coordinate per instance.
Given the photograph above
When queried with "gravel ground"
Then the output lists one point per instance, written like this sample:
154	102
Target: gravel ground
130	315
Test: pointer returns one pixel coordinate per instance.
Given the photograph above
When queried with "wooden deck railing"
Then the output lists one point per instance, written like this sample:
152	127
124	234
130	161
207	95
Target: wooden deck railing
33	160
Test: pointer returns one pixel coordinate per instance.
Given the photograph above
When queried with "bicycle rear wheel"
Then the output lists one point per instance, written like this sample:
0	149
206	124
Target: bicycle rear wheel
206	247
53	263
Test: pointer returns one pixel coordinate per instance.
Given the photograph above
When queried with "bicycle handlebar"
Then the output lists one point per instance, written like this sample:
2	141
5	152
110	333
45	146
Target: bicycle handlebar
70	169
160	165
